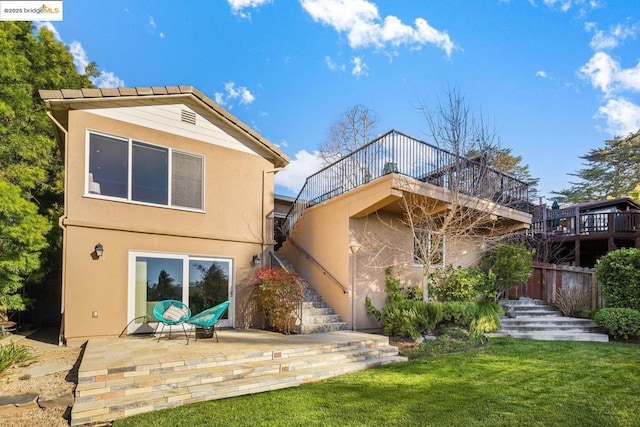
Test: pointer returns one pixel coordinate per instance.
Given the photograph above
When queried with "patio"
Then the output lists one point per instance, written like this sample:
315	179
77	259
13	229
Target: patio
119	377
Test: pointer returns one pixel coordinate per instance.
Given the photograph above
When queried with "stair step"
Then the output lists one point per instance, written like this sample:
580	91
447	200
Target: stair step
325	318
535	320
323	327
557	336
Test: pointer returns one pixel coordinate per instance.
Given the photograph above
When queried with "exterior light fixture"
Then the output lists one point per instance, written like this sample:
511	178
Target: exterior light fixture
255	260
99	250
354	247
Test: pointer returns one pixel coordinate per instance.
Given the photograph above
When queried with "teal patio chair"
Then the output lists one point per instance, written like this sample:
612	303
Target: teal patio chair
171	313
208	318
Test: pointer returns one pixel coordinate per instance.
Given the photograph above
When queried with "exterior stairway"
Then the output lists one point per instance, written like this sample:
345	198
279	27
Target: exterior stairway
537	321
316	314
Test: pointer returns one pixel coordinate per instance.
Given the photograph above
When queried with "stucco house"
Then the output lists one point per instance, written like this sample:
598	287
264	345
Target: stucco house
349	222
167	195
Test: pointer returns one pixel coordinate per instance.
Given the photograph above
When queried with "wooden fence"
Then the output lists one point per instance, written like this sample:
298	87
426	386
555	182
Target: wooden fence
547	279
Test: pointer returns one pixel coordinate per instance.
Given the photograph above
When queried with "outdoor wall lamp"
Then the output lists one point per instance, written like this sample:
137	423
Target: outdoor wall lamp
255	260
99	250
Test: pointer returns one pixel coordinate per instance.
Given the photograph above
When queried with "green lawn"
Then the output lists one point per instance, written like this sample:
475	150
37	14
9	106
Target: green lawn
506	383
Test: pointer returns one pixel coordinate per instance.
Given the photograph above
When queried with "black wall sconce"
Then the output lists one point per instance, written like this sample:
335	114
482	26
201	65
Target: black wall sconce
255	260
99	250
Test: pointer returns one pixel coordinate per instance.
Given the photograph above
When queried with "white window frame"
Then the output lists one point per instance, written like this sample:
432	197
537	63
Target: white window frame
131	292
129	198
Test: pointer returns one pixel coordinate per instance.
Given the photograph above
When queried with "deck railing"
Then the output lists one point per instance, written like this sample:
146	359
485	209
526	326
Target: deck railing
570	221
394	152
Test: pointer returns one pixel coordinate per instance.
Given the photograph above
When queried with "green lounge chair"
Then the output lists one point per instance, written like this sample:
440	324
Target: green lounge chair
208	318
171	312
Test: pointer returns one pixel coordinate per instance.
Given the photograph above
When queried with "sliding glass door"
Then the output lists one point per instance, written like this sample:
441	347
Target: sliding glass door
199	282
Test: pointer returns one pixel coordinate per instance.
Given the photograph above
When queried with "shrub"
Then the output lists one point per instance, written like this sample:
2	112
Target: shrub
279	295
487	319
620	323
618	275
456	284
12	353
572	300
506	266
405	314
459	313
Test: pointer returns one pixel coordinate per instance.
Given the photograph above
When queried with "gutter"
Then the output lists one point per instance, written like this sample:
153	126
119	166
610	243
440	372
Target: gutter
61	222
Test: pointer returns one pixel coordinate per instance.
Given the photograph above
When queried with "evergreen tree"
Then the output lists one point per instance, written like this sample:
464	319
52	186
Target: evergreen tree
30	159
610	172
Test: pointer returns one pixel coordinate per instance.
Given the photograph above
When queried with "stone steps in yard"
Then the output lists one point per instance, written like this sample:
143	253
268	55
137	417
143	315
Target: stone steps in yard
534	320
105	395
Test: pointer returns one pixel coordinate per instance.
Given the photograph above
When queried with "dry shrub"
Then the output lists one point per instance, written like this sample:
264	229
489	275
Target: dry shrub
572	300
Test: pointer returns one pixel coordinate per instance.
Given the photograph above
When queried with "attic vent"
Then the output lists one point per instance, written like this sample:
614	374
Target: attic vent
188	117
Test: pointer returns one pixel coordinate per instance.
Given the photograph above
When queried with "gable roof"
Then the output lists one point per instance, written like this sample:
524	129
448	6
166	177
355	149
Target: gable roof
59	102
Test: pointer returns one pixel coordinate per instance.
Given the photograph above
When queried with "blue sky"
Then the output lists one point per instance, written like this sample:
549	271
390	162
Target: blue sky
555	78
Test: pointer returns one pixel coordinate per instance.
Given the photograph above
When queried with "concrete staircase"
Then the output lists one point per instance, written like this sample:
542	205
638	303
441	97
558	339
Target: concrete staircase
317	316
206	371
534	320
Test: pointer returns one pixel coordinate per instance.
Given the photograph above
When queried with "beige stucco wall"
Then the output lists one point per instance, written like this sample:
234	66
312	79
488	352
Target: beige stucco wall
325	232
238	195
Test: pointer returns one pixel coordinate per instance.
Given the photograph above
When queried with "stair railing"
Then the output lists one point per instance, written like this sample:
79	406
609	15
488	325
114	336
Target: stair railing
318	265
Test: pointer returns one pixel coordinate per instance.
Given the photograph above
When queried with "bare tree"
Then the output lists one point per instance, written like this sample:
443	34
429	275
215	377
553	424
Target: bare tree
354	128
460	211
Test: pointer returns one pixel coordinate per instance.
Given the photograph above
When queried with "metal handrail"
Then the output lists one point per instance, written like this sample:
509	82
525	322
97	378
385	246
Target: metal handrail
317	264
395	152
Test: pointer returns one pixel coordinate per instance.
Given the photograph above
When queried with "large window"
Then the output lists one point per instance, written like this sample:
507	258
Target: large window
199	282
142	172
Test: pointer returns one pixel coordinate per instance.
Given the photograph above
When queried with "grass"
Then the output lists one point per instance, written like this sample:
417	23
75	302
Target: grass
12	353
507	382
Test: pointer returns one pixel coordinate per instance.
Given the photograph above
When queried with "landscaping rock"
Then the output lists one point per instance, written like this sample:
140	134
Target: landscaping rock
19	402
56	401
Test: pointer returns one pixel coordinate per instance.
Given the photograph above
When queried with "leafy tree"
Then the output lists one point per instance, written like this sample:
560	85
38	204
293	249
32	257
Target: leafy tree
29	155
210	289
503	160
506	266
22	237
165	288
611	171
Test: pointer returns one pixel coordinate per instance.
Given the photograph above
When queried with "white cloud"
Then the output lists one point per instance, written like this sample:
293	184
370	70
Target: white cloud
622	116
332	65
606	74
303	165
608	40
238	6
542	74
616	83
364	27
231	93
359	67
108	79
152	23
566	5
81	60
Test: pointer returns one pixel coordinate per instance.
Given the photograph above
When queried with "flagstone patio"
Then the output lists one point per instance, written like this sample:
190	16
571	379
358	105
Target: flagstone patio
120	377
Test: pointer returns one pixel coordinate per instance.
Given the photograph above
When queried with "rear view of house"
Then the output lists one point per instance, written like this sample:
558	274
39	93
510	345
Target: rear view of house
167	196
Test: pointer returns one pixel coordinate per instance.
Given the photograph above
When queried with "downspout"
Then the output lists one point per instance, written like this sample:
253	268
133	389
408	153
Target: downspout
61	224
263	219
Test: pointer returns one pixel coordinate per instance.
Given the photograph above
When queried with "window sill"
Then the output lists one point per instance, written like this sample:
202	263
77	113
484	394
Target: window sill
133	202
